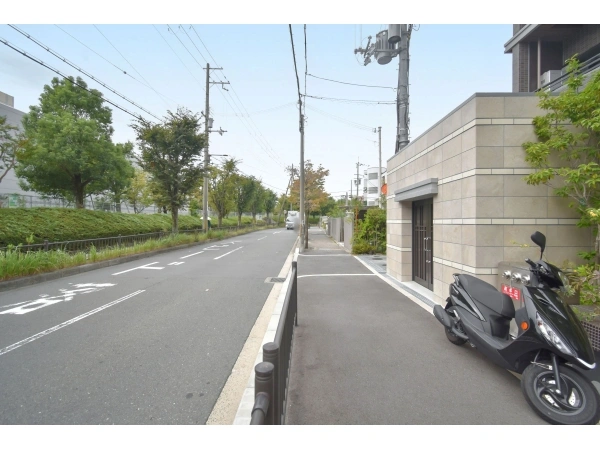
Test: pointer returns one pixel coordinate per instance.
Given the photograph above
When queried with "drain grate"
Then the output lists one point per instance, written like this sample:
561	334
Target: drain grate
274	280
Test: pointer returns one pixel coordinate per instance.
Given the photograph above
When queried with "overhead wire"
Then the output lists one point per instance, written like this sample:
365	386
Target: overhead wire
40	62
193	57
342	120
127	61
349	100
353	84
65	60
112	64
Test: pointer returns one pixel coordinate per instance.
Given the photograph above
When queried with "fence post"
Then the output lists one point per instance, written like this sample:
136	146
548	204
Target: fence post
45	245
119	240
263	383
271	355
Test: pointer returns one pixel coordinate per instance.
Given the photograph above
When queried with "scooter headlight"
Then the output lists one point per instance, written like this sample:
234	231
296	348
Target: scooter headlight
551	335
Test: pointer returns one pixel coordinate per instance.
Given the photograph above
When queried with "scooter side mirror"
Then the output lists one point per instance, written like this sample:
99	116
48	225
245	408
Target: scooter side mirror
540	240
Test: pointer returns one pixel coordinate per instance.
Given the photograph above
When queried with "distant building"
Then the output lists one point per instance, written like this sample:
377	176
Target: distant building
371	191
9	184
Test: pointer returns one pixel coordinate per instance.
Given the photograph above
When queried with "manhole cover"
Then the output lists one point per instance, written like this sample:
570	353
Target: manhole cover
274	280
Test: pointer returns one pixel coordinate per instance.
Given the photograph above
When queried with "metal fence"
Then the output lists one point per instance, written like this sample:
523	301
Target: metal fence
273	374
84	245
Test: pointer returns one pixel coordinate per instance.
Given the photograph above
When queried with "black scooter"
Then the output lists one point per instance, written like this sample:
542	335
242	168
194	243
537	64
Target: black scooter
550	340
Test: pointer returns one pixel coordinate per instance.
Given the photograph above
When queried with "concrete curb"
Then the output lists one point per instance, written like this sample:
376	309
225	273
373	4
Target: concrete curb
244	412
61	273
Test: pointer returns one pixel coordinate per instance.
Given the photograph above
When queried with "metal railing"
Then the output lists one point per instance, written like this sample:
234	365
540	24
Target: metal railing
84	245
273	374
586	67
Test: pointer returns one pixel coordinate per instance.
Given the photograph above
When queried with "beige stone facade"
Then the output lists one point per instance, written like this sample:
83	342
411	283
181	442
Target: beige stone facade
483	209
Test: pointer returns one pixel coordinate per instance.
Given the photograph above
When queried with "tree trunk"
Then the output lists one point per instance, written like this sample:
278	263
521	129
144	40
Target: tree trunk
254	218
239	219
220	220
175	218
79	196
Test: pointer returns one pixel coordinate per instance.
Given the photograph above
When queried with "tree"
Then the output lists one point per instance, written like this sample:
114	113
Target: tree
327	206
68	150
10	140
243	194
221	191
568	146
170	153
257	203
270	202
138	193
122	178
314	188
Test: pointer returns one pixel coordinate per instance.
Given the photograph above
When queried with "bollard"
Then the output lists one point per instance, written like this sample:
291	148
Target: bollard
263	383
271	355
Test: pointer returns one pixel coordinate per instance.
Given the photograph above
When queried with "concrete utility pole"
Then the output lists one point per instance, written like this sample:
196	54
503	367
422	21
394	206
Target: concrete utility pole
358	164
379	170
207	126
390	43
303	227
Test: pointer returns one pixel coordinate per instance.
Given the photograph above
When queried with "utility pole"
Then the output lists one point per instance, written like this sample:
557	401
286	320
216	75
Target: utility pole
379	170
390	43
289	186
207	125
358	164
303	228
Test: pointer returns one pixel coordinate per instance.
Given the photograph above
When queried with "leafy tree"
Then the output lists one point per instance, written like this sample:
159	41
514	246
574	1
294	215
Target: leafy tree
10	140
314	188
270	202
257	202
122	178
327	206
243	194
68	150
170	153
138	193
221	192
566	156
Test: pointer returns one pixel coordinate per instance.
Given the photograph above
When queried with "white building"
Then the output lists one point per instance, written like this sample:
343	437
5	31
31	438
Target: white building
371	188
10	183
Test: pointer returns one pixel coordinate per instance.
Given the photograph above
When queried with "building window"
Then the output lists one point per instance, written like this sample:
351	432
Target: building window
372	176
372	190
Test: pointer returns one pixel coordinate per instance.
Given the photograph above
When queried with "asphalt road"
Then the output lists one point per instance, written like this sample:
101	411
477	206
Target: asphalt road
151	341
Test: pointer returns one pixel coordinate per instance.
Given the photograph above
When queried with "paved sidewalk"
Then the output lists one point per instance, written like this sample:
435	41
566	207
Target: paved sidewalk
364	353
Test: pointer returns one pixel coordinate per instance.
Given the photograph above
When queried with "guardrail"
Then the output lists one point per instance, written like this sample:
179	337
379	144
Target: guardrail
273	374
84	245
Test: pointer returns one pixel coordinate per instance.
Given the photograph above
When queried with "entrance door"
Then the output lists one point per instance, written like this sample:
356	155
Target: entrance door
422	248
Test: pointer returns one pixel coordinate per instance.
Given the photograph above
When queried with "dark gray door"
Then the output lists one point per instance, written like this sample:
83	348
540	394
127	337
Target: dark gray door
422	249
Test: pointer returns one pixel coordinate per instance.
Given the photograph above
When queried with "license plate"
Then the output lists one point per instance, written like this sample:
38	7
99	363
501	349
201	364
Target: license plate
512	292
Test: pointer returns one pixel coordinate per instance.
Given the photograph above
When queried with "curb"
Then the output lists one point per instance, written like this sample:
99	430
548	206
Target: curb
29	280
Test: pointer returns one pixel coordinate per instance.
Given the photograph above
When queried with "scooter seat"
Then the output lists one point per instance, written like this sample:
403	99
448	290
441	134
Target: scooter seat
487	295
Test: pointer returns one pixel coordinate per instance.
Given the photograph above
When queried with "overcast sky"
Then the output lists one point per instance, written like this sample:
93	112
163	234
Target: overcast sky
164	70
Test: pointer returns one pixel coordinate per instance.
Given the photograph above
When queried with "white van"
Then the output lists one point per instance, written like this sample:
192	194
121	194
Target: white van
292	220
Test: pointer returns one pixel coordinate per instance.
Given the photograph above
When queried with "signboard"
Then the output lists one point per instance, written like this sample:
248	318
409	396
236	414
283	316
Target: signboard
512	292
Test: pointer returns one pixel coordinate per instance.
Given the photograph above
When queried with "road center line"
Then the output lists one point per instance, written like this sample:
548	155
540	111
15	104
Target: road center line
193	254
262	238
64	324
229	252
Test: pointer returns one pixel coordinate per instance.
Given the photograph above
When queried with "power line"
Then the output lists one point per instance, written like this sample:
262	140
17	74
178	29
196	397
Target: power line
167	42
295	66
194	58
112	64
305	65
352	84
345	121
62	58
127	61
193	43
40	62
347	100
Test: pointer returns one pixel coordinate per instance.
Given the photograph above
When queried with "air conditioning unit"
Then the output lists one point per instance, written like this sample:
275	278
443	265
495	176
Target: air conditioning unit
549	77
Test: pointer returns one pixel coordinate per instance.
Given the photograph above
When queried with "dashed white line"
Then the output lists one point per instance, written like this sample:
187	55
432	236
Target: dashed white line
260	239
64	324
176	263
228	253
193	254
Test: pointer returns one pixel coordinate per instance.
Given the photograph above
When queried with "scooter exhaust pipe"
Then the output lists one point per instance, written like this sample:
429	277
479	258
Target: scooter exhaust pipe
441	315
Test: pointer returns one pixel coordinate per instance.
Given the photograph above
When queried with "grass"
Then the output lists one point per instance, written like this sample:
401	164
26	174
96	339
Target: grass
15	263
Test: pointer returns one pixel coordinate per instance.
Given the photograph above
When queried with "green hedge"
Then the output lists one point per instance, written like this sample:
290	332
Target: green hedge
64	224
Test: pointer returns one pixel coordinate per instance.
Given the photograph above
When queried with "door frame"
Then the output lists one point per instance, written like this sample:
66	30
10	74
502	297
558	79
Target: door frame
422	242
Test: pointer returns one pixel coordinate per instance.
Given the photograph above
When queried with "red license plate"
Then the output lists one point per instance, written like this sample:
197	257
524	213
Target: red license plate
512	292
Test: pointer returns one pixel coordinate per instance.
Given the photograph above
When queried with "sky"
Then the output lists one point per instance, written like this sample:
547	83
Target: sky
164	65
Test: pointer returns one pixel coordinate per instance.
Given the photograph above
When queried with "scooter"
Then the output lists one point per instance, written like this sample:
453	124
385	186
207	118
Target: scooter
549	343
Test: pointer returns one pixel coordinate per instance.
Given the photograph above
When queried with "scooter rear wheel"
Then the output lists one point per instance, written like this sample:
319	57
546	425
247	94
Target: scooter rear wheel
449	334
581	406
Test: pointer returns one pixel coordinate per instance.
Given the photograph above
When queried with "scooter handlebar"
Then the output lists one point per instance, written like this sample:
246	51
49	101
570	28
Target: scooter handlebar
531	263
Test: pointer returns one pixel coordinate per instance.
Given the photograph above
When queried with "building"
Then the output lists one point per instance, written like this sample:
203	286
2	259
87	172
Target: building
371	189
457	201
539	53
10	184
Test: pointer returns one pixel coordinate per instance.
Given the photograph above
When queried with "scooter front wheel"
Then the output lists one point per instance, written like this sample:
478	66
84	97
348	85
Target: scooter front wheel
578	405
456	340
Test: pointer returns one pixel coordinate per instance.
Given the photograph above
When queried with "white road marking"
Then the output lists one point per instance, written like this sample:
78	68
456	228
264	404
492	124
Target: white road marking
277	232
176	263
218	246
193	254
141	267
64	324
260	239
17	304
218	257
65	296
339	275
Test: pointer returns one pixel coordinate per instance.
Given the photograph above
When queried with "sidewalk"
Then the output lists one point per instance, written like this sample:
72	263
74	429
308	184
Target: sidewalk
364	353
